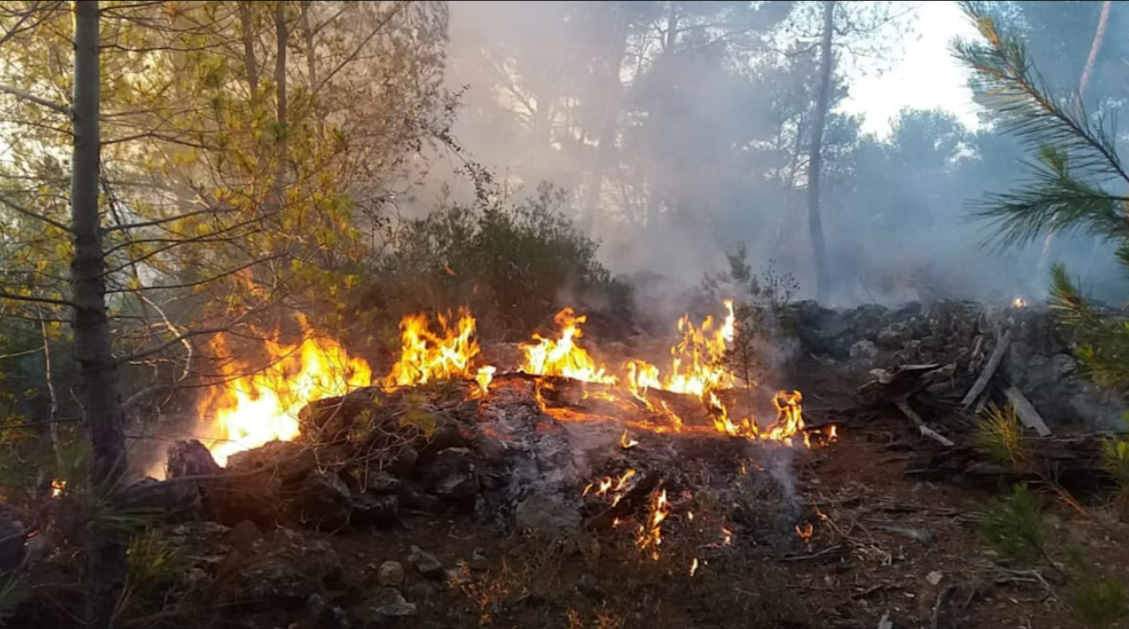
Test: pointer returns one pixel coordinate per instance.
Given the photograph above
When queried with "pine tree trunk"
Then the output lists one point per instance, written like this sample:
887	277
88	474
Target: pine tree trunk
815	161
98	371
283	36
250	64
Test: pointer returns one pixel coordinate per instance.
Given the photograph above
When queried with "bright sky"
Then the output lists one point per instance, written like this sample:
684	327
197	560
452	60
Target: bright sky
927	77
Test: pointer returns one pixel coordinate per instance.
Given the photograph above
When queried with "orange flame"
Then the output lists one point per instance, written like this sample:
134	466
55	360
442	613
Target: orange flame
626	442
563	357
251	410
427	356
650	534
805	532
693	566
484	377
57	488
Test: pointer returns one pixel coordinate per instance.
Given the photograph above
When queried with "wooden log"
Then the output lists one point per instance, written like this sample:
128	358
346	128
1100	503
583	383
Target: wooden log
1077	462
1027	413
926	431
989	371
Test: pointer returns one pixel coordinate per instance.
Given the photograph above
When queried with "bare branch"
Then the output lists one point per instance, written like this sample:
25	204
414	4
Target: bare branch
38	300
28	213
14	91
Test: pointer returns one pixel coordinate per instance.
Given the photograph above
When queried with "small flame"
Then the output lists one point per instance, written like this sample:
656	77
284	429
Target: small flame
1019	303
690	516
483	378
726	537
57	488
650	535
693	566
805	533
626	442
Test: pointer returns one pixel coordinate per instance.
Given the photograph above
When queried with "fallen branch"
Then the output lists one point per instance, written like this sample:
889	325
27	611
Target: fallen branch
989	371
935	622
926	431
1027	413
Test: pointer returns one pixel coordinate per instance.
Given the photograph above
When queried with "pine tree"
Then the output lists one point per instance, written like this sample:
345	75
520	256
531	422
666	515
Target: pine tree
1076	183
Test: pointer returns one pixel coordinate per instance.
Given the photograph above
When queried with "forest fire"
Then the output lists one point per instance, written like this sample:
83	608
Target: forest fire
251	410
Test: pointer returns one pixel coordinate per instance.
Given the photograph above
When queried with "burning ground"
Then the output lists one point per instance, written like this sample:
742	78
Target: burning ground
556	488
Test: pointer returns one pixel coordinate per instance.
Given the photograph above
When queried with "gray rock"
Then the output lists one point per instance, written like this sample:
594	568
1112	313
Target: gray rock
478	561
894	336
546	516
426	563
326	616
376	511
453	474
864	350
382	483
422	593
405	462
391	574
387	604
489	448
1015	364
1064	365
325	501
275	582
190	458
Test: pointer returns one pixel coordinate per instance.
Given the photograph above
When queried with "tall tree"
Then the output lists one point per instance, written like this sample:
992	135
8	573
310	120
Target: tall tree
815	160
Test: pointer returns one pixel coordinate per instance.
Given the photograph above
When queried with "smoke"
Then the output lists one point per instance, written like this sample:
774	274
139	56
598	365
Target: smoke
677	147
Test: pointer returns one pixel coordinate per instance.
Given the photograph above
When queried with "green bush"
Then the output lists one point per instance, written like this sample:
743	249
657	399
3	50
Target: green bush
1099	603
515	263
1015	528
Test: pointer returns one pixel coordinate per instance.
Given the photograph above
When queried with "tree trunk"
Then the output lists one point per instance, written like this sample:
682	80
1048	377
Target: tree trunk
249	62
815	161
106	544
605	139
283	35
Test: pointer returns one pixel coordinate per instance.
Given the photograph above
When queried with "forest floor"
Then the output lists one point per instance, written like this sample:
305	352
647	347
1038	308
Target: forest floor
883	551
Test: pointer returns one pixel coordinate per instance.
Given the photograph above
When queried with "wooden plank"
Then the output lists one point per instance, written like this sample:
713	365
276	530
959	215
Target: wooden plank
1026	411
989	371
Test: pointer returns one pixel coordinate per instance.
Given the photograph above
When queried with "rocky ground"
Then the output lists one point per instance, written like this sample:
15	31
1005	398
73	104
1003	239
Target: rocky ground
548	503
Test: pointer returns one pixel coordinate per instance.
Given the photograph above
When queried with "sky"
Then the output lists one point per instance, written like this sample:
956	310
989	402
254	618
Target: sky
926	77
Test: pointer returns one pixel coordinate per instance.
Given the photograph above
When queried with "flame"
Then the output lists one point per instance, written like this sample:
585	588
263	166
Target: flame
650	534
726	537
483	378
693	566
563	357
1019	302
805	532
427	356
251	410
57	488
626	442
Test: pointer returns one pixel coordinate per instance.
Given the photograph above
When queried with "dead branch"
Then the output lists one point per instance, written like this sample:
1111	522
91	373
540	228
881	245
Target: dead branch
989	371
926	431
1027	413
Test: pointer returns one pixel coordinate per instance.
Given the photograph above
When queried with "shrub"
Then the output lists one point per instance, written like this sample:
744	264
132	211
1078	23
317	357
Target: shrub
1015	528
514	262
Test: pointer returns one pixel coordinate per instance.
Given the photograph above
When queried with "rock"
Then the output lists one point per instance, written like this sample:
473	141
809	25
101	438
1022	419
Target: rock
427	564
894	336
1015	363
242	536
330	417
387	605
190	458
547	517
283	569
934	577
287	461
864	350
489	448
478	561
453	474
446	434
375	511
1063	365
324	615
206	544
391	574
324	501
276	582
382	483
422	593
404	463
37	549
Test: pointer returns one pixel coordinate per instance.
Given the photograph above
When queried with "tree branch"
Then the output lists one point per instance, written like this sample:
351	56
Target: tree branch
43	102
38	300
28	213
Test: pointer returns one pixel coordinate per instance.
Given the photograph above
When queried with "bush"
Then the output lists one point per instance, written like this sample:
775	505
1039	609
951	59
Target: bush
1015	528
514	263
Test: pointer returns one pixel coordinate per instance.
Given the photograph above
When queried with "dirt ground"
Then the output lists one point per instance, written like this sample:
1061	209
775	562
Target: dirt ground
883	551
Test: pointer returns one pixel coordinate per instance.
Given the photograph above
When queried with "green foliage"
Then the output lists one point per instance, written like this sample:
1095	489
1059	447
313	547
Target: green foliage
998	435
415	414
1074	175
1115	460
1099	603
1014	526
156	568
512	262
